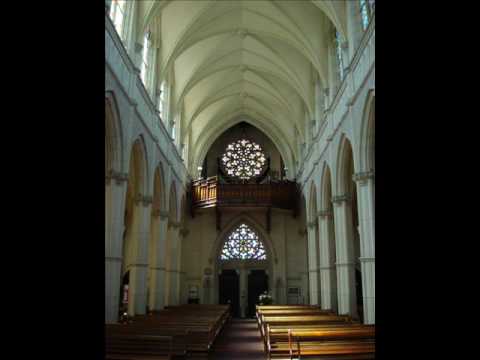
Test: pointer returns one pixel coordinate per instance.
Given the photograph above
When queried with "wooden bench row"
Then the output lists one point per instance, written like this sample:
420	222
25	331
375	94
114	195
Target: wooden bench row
315	333
176	331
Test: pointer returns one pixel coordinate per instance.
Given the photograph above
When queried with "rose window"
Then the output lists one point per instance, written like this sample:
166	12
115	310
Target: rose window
244	159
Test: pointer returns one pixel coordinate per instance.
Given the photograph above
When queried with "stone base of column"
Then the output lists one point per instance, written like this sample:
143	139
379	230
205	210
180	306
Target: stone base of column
329	286
347	300
113	268
313	287
137	302
157	295
368	285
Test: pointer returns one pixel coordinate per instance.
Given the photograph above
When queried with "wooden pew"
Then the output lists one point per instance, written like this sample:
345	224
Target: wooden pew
192	329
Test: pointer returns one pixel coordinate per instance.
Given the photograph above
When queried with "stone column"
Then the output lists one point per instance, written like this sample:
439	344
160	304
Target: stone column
174	266
327	268
365	188
115	192
139	266
313	263
157	269
347	302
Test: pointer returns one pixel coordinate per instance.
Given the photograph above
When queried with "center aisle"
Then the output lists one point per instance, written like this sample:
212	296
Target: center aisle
239	340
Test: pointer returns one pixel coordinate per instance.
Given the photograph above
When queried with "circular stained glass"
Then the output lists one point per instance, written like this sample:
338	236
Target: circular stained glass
244	159
243	244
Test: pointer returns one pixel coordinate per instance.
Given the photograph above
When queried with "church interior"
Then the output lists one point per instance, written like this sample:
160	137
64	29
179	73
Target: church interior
240	179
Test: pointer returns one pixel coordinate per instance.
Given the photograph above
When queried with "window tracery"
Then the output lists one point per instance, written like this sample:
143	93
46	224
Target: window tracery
243	244
244	159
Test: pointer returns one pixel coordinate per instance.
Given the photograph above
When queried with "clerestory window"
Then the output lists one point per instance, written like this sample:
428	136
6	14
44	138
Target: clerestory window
145	70
117	14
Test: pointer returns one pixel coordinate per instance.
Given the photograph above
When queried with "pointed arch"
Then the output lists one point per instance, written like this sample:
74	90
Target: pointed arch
345	166
172	203
158	189
367	136
113	135
234	224
139	166
326	188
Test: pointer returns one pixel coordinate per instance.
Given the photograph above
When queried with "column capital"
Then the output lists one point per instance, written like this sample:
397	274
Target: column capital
312	224
324	214
162	214
119	177
145	200
363	177
302	231
184	231
367	259
174	224
344	264
338	199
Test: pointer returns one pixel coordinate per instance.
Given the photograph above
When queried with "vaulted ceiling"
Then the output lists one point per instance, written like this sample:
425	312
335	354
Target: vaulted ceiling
247	60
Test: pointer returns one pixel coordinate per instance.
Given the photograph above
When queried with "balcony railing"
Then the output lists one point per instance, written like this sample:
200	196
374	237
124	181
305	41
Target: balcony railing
208	193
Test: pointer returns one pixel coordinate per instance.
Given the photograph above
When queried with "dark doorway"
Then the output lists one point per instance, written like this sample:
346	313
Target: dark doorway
229	290
257	284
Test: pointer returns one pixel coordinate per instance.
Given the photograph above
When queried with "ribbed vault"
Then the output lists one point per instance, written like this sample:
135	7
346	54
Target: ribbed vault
232	59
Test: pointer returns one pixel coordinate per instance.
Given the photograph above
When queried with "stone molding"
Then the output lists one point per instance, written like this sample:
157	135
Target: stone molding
174	224
324	214
341	198
312	224
344	264
327	267
138	265
367	259
157	268
113	258
145	200
119	177
363	177
162	214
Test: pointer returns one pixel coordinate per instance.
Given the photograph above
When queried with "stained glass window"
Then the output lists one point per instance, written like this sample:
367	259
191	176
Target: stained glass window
244	159
243	244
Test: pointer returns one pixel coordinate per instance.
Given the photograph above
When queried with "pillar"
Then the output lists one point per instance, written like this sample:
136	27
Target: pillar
115	192
157	269
365	188
327	268
347	302
313	263
137	302
174	275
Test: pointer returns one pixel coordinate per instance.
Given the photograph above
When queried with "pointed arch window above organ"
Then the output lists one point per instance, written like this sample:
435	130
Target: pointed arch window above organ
117	14
243	244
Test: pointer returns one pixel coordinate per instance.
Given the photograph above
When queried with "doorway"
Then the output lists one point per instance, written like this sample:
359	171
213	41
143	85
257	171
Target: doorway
229	290
257	285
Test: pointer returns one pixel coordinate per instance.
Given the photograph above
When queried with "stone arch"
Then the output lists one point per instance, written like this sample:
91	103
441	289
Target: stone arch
113	135
345	165
367	139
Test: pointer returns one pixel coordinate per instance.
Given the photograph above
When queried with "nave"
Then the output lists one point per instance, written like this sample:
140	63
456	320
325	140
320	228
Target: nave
209	332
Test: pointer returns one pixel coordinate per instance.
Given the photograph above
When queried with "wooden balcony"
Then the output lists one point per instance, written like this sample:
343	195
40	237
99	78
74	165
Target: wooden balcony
209	193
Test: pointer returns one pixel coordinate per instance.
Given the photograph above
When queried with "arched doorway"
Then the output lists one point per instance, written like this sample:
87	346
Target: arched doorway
244	267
